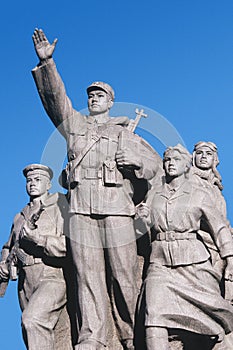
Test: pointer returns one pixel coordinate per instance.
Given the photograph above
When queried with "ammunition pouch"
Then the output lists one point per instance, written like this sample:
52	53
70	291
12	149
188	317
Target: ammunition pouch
111	174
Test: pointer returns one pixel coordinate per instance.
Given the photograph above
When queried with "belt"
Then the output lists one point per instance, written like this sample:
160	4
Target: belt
173	236
91	173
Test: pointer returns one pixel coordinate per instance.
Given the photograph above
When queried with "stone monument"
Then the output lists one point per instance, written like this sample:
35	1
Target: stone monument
177	294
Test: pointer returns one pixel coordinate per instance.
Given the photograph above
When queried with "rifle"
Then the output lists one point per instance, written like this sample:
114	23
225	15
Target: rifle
11	263
12	258
133	123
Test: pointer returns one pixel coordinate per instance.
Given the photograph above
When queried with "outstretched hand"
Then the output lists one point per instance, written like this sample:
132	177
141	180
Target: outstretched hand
44	49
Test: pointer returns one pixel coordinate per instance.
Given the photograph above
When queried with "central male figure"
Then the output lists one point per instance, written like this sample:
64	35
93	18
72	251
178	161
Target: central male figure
100	175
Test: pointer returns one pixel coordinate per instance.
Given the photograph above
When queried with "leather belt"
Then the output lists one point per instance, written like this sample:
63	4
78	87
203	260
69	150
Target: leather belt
173	236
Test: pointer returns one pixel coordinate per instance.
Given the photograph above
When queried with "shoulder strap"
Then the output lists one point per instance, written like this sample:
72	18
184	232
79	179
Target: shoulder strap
85	150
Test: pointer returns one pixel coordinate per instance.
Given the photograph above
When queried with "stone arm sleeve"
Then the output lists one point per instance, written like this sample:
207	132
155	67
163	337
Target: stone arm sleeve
55	246
223	205
219	228
11	241
151	164
52	93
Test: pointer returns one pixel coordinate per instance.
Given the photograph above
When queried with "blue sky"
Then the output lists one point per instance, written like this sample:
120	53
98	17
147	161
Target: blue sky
174	57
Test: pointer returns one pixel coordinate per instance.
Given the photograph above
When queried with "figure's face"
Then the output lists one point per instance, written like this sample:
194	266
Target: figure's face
98	102
37	185
204	158
174	164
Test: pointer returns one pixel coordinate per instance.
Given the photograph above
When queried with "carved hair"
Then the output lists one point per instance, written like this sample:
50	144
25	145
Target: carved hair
183	152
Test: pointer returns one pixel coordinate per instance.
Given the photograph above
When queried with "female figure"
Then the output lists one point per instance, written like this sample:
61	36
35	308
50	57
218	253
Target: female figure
181	289
205	174
205	162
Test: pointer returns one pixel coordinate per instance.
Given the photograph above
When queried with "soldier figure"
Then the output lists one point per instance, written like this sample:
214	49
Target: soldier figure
100	174
37	249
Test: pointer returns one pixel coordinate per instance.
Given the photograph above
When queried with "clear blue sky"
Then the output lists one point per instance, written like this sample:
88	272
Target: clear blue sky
171	56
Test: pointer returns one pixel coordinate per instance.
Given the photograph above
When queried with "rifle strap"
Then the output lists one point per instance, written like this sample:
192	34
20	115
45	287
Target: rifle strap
85	150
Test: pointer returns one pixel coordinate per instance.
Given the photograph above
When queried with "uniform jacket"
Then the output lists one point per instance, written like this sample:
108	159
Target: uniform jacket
182	211
202	178
92	193
50	227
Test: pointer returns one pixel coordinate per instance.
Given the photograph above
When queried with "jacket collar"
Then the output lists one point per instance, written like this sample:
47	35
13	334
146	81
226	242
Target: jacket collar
165	191
45	201
124	121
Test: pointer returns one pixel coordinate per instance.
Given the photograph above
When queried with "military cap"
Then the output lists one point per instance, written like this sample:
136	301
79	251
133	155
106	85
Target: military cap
33	169
100	85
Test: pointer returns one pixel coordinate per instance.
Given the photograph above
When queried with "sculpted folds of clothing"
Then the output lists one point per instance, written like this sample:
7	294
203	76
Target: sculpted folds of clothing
186	297
182	211
211	183
52	92
92	196
181	289
50	224
101	196
199	177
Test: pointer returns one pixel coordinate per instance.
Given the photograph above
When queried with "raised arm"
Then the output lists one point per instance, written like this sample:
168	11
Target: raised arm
48	81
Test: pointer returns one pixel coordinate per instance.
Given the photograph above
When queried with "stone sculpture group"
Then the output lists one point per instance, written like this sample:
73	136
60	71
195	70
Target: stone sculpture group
85	282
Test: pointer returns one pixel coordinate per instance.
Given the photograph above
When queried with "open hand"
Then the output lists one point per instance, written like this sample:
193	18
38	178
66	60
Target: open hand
44	49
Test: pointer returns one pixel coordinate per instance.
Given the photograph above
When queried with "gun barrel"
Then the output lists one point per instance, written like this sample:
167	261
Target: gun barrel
3	287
